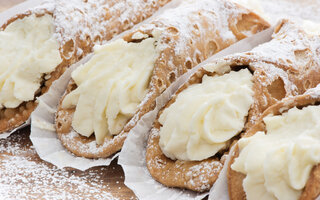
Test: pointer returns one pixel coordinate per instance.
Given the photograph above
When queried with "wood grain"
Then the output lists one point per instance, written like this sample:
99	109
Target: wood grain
18	148
111	177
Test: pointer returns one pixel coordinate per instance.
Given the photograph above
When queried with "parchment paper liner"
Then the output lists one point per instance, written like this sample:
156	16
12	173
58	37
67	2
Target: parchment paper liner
132	156
24	6
4	16
43	134
220	189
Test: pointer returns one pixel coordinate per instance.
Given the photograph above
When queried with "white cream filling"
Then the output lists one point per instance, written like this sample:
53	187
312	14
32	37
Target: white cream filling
277	165
28	50
205	116
111	86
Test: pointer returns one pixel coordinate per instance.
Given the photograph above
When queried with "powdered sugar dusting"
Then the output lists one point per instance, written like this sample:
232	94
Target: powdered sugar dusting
177	25
273	72
286	43
294	9
285	48
37	181
201	171
95	20
133	161
291	51
217	13
197	173
184	27
23	175
314	92
92	146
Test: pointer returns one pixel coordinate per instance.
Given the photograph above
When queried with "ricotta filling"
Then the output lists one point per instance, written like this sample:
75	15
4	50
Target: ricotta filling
110	87
28	51
277	165
206	116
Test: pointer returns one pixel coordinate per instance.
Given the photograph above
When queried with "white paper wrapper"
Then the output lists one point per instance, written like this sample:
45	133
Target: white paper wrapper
220	188
7	134
23	7
43	134
4	16
132	155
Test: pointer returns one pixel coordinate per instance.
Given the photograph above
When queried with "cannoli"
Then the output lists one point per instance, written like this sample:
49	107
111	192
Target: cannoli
225	97
38	46
279	157
109	94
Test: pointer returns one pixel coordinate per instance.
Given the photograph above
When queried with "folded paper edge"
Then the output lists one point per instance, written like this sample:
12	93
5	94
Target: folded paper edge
241	46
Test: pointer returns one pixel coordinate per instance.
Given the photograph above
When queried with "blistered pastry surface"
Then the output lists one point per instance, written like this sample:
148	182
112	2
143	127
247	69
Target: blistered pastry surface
29	51
78	26
183	43
272	79
291	59
92	22
312	188
299	58
278	162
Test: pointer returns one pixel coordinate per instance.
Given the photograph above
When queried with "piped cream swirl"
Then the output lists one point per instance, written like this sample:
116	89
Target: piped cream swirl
206	116
110	86
28	51
277	165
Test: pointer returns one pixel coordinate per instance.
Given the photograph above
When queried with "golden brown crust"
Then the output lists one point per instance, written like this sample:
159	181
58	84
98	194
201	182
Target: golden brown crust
312	189
269	89
250	21
11	118
83	146
69	51
198	175
168	67
235	179
14	117
154	155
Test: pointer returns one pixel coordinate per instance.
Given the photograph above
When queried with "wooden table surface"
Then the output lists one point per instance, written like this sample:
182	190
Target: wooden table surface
23	175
